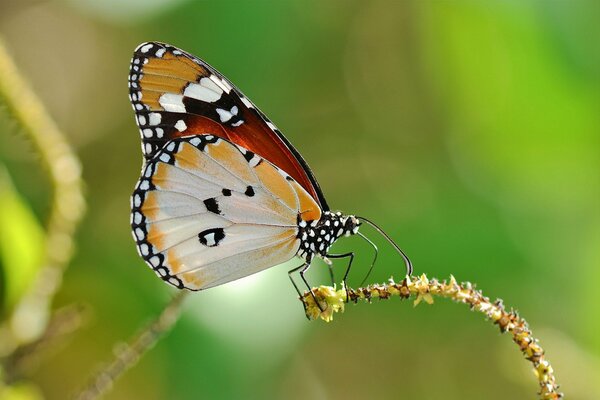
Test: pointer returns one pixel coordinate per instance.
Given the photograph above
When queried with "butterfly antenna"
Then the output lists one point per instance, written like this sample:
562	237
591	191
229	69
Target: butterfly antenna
374	258
407	263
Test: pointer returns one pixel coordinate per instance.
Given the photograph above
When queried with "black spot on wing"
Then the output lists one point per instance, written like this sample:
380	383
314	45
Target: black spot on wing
211	237
226	192
212	205
248	155
249	191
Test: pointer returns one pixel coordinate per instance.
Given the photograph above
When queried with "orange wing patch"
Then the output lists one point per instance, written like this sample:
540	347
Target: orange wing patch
150	208
155	236
169	74
174	65
173	261
153	86
193	280
232	160
309	209
275	183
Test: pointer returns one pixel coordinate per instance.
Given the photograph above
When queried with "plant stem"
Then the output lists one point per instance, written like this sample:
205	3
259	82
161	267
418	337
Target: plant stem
129	354
423	289
32	313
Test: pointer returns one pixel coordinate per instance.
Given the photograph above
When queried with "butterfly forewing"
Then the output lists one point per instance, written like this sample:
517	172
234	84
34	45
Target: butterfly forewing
203	214
175	94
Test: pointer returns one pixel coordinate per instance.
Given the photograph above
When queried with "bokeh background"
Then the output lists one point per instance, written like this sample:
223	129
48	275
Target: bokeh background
468	130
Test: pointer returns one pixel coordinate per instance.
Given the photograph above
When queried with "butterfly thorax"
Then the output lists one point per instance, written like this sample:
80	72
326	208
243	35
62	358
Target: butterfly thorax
316	237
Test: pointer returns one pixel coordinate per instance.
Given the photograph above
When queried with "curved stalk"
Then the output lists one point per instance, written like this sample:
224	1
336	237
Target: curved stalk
423	289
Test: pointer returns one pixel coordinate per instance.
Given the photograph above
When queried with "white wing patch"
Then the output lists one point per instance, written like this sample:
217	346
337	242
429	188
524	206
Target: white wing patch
205	91
172	102
206	212
239	265
235	240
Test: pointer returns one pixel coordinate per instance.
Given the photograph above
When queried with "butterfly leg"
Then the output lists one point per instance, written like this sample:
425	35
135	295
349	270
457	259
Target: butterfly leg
330	269
345	255
303	268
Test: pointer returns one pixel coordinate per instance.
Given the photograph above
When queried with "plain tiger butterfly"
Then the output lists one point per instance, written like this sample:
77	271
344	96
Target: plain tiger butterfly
222	193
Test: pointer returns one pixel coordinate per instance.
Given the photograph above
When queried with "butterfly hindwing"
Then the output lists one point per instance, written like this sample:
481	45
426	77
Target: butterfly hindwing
175	94
203	214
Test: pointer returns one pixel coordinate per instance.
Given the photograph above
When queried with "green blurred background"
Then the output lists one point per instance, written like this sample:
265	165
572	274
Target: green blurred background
468	129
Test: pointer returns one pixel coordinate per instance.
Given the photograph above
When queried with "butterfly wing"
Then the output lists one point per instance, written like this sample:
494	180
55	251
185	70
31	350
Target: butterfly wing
175	94
203	214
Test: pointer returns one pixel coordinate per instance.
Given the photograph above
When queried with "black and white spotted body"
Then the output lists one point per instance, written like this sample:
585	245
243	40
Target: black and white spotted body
316	237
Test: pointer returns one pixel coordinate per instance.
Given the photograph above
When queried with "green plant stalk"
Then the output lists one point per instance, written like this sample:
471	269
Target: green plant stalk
423	289
32	313
129	354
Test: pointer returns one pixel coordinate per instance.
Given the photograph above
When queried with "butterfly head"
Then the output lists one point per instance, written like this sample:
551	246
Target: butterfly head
351	225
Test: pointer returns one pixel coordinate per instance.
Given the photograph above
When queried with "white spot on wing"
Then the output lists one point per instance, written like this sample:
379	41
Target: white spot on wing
247	102
145	48
160	53
180	125
224	115
210	239
202	92
144	185
172	102
220	83
154	118
226	85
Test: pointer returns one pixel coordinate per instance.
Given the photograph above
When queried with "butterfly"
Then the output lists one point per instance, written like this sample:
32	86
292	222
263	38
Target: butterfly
222	193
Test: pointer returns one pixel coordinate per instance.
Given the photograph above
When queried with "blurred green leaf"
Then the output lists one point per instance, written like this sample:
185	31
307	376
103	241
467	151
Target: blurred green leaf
25	391
21	243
